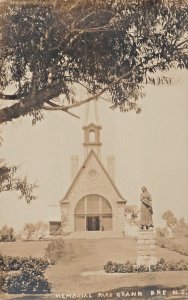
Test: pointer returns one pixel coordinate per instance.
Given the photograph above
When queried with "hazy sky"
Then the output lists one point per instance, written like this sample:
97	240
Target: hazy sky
151	149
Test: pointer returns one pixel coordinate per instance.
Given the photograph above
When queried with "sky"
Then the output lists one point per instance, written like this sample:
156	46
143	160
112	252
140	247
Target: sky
150	149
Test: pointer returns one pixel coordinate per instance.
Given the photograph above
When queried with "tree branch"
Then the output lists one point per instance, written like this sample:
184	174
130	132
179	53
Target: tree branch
59	108
180	44
9	97
94	97
30	103
51	103
74	5
94	29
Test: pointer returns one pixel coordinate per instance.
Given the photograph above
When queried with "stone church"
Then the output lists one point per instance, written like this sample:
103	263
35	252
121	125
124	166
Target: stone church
93	202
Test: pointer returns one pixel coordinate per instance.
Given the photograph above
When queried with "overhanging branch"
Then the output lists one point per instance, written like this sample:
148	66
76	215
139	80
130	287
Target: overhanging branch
9	97
59	108
96	96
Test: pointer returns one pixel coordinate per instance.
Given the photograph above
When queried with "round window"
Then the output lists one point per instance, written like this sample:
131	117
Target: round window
92	174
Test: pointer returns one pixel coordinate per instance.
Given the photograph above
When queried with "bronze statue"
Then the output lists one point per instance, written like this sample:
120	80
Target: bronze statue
146	220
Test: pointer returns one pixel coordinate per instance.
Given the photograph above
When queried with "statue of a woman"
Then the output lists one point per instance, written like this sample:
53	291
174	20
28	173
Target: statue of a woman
146	212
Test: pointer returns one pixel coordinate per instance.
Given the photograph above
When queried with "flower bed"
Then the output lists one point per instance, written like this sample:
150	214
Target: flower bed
114	267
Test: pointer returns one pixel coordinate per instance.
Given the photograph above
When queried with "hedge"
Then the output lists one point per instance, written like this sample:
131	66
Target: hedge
114	267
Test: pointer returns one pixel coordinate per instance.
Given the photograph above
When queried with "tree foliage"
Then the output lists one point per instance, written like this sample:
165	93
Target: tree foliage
49	48
131	212
7	234
34	230
178	227
10	181
170	219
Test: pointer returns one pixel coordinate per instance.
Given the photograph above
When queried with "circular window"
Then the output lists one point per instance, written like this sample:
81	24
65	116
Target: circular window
92	174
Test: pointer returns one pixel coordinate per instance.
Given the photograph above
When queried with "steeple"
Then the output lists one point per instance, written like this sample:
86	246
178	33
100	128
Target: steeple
92	131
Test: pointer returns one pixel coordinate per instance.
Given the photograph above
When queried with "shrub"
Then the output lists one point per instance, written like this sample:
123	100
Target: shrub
113	267
55	250
17	263
29	281
2	262
2	281
7	234
29	277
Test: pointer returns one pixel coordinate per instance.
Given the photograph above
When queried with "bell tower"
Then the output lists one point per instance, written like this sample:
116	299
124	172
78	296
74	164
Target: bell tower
92	139
92	131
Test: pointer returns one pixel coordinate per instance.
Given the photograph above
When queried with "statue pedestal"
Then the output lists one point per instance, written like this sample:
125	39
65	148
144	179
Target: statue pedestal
146	248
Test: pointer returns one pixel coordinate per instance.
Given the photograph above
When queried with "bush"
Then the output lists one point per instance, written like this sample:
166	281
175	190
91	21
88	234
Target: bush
29	277
2	281
7	234
55	250
17	263
29	281
2	262
113	267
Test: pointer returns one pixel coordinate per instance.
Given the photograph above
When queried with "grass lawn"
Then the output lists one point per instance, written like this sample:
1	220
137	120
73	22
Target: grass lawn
90	255
67	276
181	241
19	248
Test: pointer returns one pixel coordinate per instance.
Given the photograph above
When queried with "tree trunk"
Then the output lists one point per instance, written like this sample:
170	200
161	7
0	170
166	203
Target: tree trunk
30	103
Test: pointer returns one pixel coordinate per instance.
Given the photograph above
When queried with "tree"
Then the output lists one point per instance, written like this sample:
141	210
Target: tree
7	234
170	219
34	230
178	227
181	230
131	212
10	181
49	48
41	229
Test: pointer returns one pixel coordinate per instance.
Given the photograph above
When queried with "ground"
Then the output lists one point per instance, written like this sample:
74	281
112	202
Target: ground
81	268
90	255
19	248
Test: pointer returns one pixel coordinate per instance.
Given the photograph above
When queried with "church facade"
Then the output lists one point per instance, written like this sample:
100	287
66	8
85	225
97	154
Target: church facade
92	202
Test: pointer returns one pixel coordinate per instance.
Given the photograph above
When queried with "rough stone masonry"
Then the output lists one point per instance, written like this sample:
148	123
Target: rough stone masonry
146	248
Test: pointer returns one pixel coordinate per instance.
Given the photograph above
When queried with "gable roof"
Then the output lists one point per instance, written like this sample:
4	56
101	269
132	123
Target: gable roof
91	125
92	152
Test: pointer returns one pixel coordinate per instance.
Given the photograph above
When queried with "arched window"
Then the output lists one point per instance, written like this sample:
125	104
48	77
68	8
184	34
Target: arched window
92	136
93	213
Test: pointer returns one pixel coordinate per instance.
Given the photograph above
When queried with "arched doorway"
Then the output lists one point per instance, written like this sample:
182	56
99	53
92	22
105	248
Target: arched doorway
93	213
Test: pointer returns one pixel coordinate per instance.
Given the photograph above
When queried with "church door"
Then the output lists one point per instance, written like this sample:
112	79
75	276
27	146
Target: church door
93	224
93	213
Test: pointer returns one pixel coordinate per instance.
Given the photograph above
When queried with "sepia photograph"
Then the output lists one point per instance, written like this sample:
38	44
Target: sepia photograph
93	149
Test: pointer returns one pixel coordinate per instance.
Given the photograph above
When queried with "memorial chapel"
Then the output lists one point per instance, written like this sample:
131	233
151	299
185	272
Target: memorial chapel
93	202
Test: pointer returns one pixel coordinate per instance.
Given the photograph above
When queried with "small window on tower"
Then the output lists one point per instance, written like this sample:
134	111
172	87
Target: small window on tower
92	136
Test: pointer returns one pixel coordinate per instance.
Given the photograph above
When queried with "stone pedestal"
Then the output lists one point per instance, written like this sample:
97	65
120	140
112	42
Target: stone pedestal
146	248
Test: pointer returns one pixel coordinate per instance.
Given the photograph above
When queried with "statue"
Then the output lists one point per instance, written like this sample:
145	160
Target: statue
146	212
